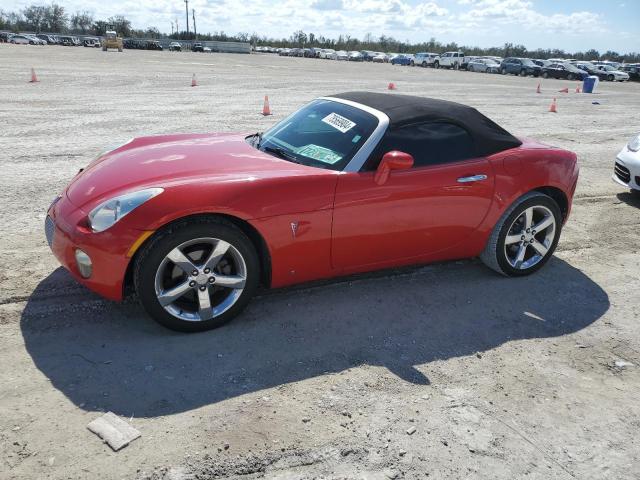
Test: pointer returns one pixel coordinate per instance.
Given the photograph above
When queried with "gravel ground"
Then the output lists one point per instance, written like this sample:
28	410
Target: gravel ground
499	378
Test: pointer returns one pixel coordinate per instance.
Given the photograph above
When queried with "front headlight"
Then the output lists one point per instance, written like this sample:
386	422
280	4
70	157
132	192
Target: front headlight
108	213
634	143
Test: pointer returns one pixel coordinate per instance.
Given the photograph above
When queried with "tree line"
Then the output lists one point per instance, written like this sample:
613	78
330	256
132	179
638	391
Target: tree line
54	18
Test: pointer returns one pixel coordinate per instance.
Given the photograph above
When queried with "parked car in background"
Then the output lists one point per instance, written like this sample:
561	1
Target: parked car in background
564	70
626	170
355	57
36	40
425	59
484	65
613	74
342	55
197	47
326	53
403	59
284	52
154	45
591	69
380	58
66	41
633	70
175	47
49	39
92	42
21	40
519	66
450	60
541	63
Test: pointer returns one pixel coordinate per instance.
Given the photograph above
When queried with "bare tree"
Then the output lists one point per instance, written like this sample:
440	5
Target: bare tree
81	21
34	17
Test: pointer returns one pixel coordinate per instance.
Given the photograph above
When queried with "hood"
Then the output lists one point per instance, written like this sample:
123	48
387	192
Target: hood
161	161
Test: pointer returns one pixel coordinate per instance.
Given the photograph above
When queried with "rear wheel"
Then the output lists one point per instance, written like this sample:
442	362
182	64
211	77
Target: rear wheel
525	237
611	78
197	275
436	64
571	76
523	73
503	71
545	74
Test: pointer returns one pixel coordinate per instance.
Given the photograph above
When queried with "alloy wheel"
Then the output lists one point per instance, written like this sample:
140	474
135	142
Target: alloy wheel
530	237
200	279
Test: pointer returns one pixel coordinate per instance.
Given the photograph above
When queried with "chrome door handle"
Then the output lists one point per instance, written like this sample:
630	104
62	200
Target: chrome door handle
474	178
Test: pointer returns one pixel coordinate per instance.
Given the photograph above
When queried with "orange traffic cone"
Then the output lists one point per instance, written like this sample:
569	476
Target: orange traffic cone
34	79
391	86
578	89
538	89
564	90
265	109
553	108
194	82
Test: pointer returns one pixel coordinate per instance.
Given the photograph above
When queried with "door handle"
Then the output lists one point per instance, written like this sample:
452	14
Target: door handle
473	178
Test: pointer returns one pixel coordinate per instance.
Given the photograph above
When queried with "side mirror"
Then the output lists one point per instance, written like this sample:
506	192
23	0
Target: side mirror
392	161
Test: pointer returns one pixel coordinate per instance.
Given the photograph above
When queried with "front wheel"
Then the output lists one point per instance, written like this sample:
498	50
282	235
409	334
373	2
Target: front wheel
571	76
436	64
525	237
611	78
197	275
545	75
503	71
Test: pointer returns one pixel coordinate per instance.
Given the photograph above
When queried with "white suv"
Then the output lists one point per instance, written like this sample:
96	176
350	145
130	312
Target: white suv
450	60
426	59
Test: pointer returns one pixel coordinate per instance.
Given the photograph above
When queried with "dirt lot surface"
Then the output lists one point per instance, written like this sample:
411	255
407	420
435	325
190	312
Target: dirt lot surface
499	378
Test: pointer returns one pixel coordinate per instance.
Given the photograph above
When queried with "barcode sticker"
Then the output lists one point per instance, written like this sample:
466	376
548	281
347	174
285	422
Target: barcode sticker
339	122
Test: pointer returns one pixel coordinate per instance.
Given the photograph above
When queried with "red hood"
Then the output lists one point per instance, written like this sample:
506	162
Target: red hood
169	159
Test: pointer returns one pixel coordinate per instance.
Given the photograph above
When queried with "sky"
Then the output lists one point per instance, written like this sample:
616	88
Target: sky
572	25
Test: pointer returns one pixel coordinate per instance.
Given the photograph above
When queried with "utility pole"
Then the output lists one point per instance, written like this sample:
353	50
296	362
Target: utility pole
172	28
195	35
186	7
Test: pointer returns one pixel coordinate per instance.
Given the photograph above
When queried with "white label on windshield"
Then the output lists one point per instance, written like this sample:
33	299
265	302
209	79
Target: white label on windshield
339	122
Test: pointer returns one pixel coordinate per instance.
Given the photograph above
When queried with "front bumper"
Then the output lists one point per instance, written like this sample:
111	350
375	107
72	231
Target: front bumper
626	170
66	232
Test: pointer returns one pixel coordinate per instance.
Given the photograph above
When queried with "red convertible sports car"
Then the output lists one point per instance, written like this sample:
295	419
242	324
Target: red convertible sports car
347	184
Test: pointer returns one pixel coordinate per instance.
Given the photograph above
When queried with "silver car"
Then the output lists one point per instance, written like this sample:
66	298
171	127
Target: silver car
484	65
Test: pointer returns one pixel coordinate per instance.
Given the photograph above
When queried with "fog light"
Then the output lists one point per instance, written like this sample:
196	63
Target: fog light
84	263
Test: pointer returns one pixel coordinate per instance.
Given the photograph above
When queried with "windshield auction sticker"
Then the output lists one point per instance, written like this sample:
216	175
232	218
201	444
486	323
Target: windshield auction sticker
339	122
319	153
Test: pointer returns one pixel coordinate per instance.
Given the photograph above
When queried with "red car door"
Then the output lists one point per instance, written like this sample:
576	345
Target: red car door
416	213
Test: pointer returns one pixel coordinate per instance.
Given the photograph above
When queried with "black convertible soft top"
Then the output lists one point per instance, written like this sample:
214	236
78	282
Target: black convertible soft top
402	110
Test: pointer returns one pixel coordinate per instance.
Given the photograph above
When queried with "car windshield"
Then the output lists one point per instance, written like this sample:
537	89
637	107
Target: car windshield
324	134
527	62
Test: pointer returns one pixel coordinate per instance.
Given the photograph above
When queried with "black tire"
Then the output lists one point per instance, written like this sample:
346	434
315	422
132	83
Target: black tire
503	71
494	255
153	253
523	73
436	64
412	63
571	76
611	78
545	74
424	64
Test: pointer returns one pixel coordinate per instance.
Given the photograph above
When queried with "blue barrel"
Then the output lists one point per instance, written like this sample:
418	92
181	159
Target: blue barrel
589	84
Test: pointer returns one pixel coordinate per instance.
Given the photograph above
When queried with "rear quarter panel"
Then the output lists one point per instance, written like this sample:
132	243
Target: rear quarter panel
520	170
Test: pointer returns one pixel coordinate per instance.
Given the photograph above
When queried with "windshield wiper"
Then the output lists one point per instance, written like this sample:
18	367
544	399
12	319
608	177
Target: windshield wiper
281	152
